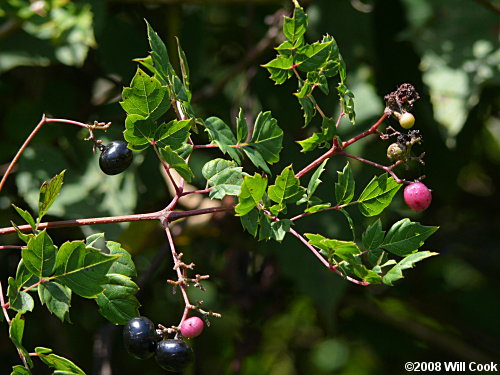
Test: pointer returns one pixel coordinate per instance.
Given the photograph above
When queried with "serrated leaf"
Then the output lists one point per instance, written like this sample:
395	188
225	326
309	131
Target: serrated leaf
308	105
48	194
173	134
347	100
377	195
117	303
82	269
256	158
222	135
139	131
145	97
124	265
252	191
57	298
322	139
159	55
16	332
344	188
311	57
280	68
184	67
22	236
350	222
406	236
280	228
396	272
61	364
250	221
296	26
286	188
40	255
224	177
265	231
373	236
315	181
18	300
267	137
26	216
241	127
345	250
174	160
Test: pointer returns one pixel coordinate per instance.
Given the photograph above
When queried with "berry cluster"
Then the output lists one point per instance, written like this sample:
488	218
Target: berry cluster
143	341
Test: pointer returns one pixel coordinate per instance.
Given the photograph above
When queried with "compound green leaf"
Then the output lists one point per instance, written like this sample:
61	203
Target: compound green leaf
174	160
287	188
224	177
145	97
377	195
267	137
344	188
252	191
373	236
82	269
406	236
60	364
241	127
40	255
296	26
117	303
48	194
26	216
396	272
173	134
57	297
222	135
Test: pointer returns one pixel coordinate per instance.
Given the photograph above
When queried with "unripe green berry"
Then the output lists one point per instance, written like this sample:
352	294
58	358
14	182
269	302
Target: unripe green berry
396	151
407	120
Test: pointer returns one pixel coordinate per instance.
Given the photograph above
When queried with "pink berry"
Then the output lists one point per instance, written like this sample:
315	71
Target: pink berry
192	327
417	196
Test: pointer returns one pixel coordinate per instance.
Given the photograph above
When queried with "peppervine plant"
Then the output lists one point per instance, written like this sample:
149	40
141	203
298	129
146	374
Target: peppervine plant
159	116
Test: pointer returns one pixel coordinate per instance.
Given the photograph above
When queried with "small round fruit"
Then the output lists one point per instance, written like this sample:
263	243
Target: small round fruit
417	196
173	355
115	158
139	337
396	151
192	327
407	120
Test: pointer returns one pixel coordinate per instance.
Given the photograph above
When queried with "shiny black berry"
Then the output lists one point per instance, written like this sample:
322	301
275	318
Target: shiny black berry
173	355
115	158
139	337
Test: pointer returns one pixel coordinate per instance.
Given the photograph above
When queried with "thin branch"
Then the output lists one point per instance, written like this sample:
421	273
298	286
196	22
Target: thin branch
388	169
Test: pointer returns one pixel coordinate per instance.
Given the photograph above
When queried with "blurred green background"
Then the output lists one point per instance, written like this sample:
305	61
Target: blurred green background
283	314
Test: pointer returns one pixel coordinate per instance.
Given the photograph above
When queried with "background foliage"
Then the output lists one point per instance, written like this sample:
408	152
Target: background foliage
282	312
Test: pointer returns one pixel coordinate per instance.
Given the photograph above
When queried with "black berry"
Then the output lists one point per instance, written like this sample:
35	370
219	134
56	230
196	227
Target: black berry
173	355
115	158
139	337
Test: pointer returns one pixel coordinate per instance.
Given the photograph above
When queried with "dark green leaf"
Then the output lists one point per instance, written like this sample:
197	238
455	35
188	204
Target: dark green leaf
173	134
308	105
139	131
280	68
250	221
344	189
347	100
57	297
280	228
406	236
145	97
323	139
373	236
57	362
40	255
311	57
345	250
16	330
159	55
315	181
184	67
117	303
48	194
265	231
222	135
82	269
174	160
252	191
286	188
241	127
22	236
256	158
26	216
224	177
267	137
377	195
18	300
295	27
124	265
396	272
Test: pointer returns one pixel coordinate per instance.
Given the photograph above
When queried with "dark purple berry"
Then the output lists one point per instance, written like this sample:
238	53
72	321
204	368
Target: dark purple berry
115	158
139	337
173	355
